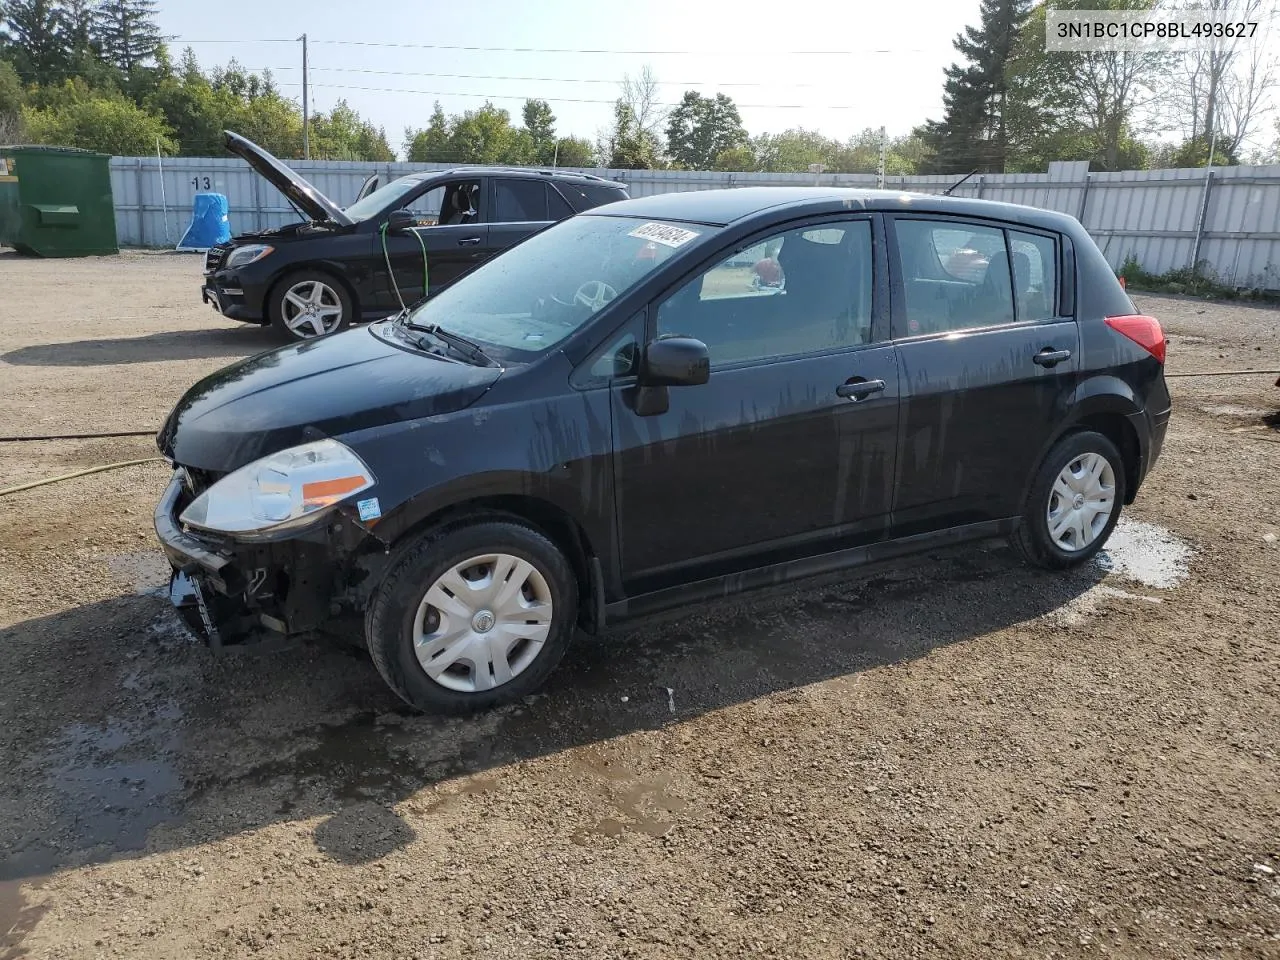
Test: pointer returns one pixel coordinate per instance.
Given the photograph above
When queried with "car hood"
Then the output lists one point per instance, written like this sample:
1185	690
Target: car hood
307	198
320	388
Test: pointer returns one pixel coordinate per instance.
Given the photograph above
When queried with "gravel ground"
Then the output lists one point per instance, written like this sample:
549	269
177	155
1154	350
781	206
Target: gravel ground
960	757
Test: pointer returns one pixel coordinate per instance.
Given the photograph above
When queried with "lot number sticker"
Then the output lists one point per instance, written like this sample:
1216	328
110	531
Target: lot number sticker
664	234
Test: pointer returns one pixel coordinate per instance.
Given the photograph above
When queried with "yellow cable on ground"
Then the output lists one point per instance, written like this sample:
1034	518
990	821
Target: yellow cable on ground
79	473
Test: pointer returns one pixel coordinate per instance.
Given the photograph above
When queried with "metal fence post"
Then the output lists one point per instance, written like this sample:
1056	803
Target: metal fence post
1084	199
1200	221
982	179
142	216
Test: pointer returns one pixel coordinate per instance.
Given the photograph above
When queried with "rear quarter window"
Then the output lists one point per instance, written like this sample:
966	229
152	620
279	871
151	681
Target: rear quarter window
585	196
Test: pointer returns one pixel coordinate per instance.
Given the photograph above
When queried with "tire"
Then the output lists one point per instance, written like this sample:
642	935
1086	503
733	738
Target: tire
401	610
1035	538
308	304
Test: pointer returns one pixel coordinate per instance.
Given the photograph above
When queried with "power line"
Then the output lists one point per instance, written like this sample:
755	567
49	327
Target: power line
877	51
509	96
482	76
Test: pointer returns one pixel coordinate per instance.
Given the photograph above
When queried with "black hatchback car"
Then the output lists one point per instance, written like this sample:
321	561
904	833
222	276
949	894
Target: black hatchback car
666	399
417	233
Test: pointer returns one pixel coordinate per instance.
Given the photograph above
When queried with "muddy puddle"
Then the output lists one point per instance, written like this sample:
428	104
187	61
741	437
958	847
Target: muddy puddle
1147	554
105	787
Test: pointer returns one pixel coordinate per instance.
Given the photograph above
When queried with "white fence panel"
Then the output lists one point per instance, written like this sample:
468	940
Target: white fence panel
1151	215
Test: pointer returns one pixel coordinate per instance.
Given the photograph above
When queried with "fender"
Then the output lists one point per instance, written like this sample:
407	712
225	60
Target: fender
1097	394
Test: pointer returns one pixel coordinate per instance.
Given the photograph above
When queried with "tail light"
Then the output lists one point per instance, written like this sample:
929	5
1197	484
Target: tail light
1144	331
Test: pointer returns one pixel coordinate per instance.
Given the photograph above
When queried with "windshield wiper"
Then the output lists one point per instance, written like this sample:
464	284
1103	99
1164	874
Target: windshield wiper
468	348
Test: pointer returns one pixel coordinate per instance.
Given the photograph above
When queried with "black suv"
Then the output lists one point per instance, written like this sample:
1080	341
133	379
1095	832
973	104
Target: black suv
665	399
387	249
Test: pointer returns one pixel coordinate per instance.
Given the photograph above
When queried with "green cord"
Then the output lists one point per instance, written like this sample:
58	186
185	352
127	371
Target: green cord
391	273
422	243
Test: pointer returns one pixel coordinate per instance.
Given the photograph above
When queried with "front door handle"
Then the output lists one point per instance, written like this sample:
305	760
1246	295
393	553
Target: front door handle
856	389
468	241
1048	357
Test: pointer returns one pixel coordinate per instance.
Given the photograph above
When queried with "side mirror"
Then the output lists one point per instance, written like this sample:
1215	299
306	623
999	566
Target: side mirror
675	362
398	221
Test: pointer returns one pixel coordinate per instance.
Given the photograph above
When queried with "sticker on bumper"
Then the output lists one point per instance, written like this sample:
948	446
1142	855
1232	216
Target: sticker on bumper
369	509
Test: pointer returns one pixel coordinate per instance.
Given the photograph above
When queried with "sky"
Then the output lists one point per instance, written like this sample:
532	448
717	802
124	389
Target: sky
833	67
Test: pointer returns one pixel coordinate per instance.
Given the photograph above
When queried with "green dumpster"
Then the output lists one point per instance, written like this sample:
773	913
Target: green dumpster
56	202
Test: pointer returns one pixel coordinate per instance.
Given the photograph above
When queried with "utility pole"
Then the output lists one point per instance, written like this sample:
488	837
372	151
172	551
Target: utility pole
306	115
883	151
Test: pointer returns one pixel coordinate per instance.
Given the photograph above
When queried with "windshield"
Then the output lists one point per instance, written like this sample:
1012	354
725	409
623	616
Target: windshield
541	291
381	198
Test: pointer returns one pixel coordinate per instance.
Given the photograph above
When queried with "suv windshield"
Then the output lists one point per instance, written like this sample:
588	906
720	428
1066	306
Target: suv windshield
539	292
381	198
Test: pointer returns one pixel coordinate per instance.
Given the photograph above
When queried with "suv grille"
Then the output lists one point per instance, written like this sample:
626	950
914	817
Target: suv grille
214	259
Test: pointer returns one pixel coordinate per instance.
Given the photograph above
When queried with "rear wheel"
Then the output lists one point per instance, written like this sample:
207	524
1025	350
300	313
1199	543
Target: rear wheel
1074	502
472	616
309	304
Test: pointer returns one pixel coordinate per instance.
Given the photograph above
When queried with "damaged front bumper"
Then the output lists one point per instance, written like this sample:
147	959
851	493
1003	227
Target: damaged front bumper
230	593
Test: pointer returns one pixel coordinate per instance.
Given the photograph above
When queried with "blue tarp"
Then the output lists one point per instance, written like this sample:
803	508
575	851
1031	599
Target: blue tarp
210	223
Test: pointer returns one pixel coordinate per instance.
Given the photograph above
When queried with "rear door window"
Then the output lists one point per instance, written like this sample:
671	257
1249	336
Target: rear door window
520	201
955	276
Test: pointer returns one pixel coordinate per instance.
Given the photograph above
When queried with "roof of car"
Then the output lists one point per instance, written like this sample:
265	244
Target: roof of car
725	206
529	172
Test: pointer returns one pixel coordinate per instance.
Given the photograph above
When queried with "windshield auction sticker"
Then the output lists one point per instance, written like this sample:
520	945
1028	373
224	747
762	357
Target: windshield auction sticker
664	234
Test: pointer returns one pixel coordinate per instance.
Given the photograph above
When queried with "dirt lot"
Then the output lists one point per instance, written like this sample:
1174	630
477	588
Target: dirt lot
960	758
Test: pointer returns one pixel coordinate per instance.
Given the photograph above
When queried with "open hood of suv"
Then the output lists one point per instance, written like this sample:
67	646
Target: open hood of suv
306	197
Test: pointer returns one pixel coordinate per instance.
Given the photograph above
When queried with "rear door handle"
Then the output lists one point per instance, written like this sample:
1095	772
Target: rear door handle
468	241
859	389
1048	357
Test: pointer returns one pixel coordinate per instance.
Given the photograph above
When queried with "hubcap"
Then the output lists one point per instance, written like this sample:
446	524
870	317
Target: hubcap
483	623
1081	502
311	309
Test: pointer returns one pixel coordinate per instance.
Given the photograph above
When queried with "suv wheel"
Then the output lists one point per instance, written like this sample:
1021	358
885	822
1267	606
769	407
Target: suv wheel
309	304
1074	502
473	616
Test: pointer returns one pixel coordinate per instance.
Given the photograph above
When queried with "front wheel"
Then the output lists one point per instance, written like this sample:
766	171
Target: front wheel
1074	502
309	304
473	616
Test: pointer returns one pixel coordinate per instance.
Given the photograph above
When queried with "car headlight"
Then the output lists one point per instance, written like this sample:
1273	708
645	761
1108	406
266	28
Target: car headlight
285	490
242	256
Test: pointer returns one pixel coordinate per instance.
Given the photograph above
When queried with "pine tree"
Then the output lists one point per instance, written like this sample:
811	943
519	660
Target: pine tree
34	33
972	134
128	32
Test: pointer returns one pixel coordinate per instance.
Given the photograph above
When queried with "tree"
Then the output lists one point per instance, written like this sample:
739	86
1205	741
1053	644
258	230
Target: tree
107	124
35	33
1079	106
574	152
701	128
540	125
640	95
487	136
973	132
430	144
12	100
343	135
740	158
626	146
793	151
128	33
1225	88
